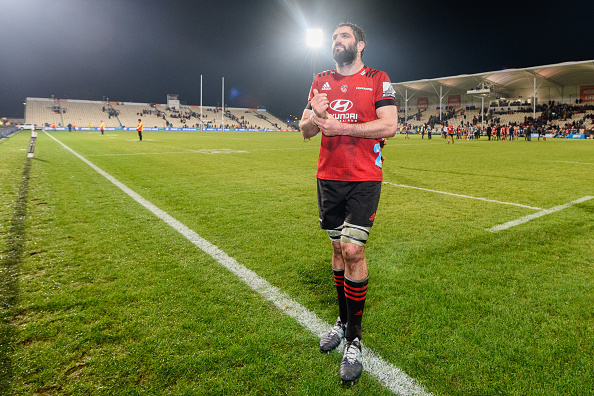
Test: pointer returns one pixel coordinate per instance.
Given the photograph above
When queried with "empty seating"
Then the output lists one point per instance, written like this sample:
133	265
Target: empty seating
85	113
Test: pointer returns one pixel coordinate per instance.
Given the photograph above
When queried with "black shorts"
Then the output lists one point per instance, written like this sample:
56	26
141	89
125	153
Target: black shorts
351	202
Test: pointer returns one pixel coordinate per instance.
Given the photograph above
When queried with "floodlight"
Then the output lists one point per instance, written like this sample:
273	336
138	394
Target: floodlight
315	38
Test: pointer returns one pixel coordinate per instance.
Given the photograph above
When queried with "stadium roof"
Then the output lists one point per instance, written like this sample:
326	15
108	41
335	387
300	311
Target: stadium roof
504	81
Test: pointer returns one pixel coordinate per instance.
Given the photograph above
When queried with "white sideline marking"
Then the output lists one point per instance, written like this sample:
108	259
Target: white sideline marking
525	219
387	374
466	196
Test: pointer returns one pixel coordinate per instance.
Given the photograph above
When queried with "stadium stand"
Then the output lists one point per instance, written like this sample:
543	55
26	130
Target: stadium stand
85	113
563	93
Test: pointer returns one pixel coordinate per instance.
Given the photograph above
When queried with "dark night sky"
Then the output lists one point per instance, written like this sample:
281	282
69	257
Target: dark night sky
140	51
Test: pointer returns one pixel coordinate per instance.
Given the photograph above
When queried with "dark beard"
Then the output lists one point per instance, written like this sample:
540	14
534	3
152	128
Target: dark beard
345	57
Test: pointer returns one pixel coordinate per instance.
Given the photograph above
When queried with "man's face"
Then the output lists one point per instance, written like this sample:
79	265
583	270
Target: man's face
344	46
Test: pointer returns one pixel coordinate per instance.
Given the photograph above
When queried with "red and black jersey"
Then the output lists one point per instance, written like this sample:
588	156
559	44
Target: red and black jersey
354	99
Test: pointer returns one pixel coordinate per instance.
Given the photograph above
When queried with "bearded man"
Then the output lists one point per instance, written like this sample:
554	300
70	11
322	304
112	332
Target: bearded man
354	108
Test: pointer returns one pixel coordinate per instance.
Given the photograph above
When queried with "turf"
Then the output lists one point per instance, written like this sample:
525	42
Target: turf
101	297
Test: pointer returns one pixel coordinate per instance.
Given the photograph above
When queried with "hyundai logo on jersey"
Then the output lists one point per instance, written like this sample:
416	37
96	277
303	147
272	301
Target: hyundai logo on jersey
341	105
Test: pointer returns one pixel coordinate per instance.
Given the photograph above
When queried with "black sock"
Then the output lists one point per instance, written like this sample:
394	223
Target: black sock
355	293
342	304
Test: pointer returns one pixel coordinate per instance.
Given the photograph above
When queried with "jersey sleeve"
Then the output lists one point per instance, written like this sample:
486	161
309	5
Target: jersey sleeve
384	91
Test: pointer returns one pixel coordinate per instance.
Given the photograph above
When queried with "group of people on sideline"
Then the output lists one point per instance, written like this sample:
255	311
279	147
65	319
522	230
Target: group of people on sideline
496	132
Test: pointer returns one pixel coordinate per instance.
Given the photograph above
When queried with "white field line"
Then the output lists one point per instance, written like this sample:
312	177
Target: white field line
579	163
533	216
466	196
133	154
387	374
201	151
541	211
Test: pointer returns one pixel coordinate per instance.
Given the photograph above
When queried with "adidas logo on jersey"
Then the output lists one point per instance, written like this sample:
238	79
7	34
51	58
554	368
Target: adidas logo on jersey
326	87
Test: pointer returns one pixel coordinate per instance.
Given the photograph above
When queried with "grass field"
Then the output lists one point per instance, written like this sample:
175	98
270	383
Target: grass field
100	296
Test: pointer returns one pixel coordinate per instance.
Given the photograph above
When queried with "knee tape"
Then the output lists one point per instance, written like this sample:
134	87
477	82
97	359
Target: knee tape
349	233
354	234
335	234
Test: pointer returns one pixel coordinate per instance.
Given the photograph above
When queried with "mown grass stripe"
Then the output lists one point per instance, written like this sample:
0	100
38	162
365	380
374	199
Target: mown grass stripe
10	268
388	375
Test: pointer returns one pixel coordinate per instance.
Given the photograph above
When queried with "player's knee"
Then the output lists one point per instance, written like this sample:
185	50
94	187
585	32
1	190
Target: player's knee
352	254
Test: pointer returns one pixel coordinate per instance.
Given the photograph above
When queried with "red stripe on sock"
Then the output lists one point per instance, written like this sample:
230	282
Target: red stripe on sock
355	290
355	293
339	280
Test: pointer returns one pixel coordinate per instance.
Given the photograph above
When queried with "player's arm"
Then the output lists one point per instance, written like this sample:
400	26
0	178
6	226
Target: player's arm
384	127
319	104
307	126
